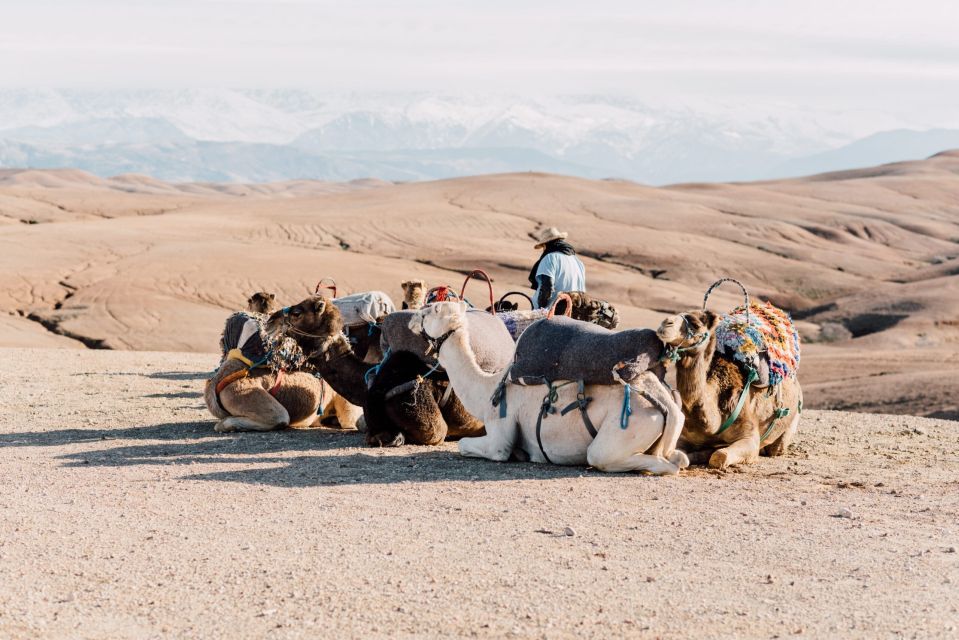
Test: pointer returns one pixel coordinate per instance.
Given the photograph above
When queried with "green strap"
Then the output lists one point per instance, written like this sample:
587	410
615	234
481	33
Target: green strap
782	412
750	379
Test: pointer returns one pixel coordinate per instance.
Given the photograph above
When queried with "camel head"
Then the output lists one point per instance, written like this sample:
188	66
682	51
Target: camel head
261	302
414	294
688	332
439	319
316	318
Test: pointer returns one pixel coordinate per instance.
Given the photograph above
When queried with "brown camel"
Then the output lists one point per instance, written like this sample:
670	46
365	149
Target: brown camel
259	384
420	413
414	294
255	402
262	302
711	385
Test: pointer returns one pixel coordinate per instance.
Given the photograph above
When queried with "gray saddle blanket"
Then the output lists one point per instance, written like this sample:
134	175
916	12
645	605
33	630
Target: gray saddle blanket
491	342
561	348
364	308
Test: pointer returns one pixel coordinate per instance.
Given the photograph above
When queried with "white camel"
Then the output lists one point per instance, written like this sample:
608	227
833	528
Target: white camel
563	439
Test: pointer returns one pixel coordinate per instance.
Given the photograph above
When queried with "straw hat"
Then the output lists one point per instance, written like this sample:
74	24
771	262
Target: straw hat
549	235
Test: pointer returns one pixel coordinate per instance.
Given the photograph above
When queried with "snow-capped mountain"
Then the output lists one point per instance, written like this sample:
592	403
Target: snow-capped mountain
254	135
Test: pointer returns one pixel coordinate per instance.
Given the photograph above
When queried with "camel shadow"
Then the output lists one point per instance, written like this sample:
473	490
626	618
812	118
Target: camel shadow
165	431
179	375
210	447
319	458
176	394
370	469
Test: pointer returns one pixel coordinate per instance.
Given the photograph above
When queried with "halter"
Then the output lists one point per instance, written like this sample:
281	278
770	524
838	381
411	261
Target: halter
675	353
435	344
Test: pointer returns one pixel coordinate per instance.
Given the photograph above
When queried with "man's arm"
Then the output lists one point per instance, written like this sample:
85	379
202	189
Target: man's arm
545	290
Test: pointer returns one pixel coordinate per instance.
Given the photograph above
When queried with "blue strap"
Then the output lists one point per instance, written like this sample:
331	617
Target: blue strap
375	369
627	408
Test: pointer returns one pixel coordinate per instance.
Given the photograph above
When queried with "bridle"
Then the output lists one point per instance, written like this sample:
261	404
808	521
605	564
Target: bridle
289	328
675	353
435	344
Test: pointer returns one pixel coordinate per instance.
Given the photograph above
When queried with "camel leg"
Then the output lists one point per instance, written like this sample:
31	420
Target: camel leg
741	451
651	385
251	409
618	450
497	444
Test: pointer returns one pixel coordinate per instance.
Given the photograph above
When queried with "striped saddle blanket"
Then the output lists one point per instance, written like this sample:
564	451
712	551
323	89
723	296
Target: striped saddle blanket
768	342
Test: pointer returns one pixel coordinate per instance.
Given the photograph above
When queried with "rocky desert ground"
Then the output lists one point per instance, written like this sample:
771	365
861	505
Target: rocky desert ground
125	516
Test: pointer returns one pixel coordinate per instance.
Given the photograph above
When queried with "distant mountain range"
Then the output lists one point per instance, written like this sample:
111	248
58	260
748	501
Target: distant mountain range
256	136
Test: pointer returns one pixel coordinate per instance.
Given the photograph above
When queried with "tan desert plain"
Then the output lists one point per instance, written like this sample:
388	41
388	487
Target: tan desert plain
124	515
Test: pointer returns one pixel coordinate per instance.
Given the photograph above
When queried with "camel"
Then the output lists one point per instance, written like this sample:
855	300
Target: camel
414	294
711	385
337	412
394	416
564	437
259	396
262	302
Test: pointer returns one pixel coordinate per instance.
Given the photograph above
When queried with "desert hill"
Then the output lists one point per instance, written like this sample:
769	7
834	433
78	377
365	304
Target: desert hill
867	260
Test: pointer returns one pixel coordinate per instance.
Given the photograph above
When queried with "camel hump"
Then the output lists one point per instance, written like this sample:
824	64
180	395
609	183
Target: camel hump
561	348
364	308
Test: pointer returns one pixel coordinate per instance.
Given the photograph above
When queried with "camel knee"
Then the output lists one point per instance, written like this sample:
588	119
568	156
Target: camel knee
679	458
600	459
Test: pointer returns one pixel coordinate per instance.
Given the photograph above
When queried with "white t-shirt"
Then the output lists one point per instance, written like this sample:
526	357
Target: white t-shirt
567	273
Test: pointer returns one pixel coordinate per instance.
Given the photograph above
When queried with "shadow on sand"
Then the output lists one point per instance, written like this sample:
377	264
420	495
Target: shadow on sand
318	458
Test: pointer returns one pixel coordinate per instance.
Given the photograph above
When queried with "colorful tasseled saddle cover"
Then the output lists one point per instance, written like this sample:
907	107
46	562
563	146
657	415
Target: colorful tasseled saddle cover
769	335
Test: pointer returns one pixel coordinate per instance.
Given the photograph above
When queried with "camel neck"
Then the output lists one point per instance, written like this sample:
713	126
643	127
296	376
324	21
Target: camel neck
692	378
474	387
339	366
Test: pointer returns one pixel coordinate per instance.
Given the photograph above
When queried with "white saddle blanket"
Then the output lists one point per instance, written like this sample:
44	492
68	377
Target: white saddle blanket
364	308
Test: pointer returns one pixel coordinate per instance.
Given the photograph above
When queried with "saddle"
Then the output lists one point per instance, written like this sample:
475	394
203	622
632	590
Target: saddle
561	348
764	340
489	339
364	308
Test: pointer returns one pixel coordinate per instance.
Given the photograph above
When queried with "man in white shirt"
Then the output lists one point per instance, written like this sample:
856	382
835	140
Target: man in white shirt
557	270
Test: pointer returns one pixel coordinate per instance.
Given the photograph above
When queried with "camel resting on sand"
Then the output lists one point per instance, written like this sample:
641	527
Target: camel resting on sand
414	294
711	386
395	414
647	443
261	302
258	386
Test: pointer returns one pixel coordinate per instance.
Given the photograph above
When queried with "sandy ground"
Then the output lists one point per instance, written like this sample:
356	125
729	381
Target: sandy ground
124	515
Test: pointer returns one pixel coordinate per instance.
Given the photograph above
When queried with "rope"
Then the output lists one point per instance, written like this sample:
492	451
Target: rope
674	354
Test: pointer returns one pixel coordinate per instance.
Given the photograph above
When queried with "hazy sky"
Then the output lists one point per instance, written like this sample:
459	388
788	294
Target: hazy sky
888	54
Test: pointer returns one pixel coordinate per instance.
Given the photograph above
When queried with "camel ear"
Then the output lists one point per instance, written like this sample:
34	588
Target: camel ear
319	305
405	285
711	319
272	296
